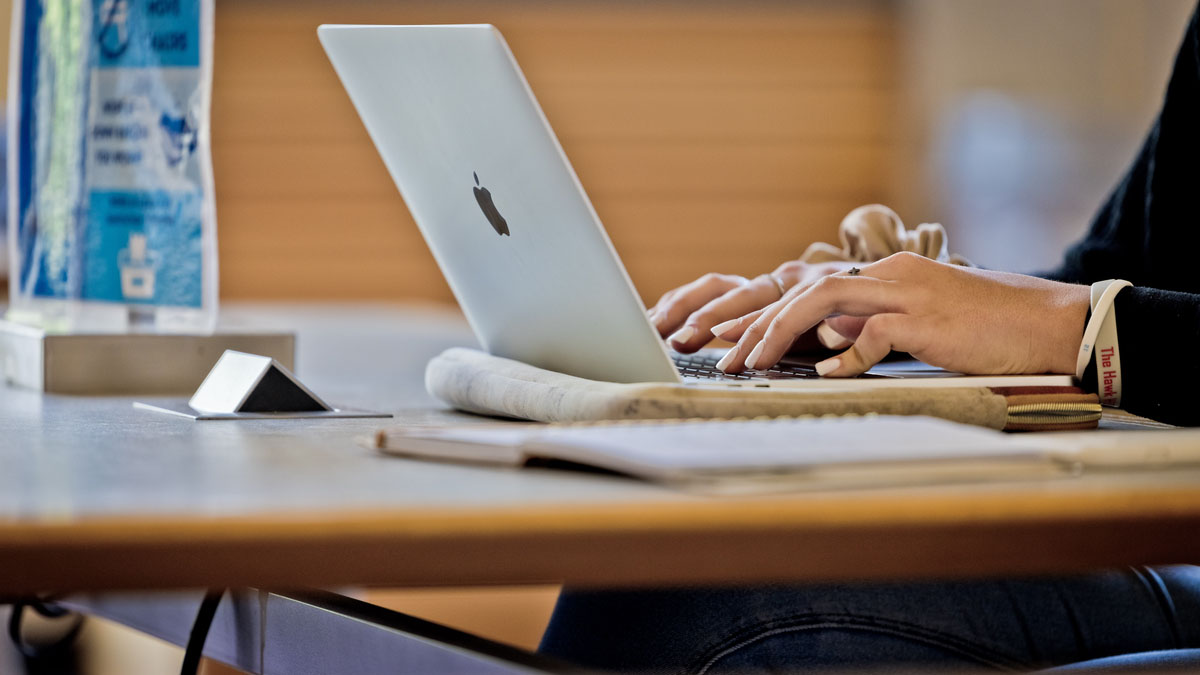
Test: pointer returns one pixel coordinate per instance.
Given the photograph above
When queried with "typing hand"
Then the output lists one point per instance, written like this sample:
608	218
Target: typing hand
686	315
963	319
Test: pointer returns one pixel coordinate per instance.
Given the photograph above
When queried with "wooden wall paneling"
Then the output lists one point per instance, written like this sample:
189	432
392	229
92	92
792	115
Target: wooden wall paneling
709	136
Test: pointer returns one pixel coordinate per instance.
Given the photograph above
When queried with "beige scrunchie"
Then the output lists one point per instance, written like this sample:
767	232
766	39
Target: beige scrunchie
874	231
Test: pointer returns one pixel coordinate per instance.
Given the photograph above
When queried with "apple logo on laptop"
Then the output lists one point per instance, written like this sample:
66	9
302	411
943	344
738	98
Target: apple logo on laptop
489	209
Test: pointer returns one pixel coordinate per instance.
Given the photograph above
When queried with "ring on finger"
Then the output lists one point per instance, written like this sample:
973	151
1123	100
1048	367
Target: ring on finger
853	271
778	283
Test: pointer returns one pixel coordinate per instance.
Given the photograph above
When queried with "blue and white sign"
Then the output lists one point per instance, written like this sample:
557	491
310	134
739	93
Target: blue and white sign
113	184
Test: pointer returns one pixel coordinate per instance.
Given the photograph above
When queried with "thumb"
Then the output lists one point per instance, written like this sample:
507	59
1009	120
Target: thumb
830	338
875	342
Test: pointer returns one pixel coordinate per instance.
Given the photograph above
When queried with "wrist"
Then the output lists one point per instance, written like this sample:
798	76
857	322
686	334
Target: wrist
1100	344
1069	318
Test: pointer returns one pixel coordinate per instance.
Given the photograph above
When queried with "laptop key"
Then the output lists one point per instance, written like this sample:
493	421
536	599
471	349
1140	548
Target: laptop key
705	367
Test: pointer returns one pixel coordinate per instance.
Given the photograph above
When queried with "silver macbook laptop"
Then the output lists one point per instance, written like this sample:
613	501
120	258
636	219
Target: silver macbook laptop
509	223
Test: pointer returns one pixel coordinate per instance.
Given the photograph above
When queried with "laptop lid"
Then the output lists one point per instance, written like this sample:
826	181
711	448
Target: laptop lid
496	199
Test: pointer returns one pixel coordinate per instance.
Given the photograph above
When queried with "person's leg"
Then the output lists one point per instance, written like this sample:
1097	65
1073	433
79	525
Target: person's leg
1019	624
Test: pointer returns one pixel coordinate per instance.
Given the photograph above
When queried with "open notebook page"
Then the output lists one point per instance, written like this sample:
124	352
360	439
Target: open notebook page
671	451
853	450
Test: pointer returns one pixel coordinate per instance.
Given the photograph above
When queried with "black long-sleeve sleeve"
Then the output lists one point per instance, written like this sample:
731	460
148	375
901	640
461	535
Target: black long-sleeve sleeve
1148	232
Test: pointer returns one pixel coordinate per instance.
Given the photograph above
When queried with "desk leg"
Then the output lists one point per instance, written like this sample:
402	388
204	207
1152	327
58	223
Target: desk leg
313	632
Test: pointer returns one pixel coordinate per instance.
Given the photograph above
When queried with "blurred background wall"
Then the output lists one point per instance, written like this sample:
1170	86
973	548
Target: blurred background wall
709	135
1020	115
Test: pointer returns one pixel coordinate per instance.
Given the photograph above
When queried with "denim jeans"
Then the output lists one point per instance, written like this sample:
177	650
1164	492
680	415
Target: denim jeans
1011	624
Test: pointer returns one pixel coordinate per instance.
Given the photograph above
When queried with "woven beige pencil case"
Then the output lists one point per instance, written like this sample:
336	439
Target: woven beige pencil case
477	382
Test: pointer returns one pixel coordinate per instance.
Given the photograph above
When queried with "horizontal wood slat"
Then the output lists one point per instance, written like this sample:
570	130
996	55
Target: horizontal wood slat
648	113
709	136
810	18
557	57
626	167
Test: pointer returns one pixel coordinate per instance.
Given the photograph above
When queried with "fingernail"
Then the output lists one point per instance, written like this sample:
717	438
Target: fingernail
725	327
830	338
727	359
828	366
683	334
752	360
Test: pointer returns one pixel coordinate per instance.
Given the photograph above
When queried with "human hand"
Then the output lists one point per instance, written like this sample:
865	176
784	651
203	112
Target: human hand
688	314
962	319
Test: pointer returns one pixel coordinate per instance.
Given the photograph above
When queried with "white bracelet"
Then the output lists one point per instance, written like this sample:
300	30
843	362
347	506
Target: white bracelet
1102	329
1107	351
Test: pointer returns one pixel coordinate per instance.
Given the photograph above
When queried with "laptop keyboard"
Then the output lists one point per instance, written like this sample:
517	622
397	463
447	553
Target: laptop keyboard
705	366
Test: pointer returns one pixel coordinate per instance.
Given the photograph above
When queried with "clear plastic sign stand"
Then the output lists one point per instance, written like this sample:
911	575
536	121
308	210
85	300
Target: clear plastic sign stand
249	386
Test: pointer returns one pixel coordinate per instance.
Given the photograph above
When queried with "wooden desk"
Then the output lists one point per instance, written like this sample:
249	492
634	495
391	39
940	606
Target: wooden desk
97	495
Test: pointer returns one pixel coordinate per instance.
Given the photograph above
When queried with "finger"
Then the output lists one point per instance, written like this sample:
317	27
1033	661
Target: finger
854	295
830	338
662	300
686	299
749	329
732	330
790	272
880	335
734	359
658	312
697	328
845	325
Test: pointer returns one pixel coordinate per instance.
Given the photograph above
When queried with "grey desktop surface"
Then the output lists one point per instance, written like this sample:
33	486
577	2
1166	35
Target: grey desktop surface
76	457
79	457
96	495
